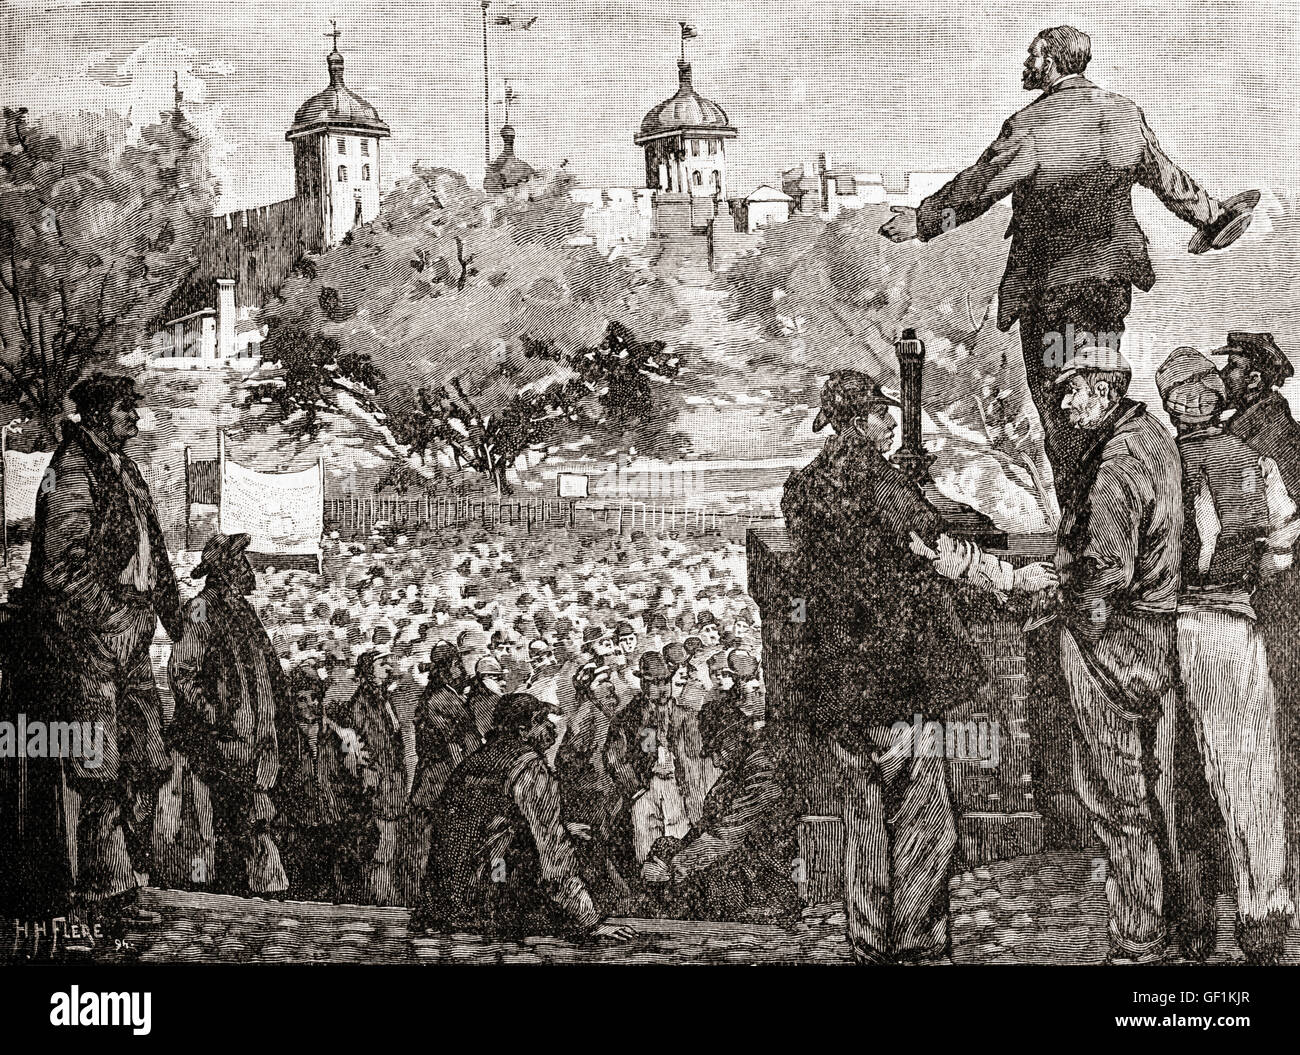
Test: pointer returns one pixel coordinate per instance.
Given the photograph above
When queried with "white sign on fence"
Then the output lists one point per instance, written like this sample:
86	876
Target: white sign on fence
23	475
284	512
571	485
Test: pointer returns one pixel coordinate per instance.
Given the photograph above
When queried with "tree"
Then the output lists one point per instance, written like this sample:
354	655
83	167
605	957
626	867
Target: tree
833	295
307	368
490	328
96	233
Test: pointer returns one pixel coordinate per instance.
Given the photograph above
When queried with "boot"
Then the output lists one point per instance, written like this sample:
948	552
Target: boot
1262	940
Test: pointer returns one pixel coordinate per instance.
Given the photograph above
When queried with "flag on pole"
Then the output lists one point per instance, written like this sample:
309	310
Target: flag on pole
514	18
689	32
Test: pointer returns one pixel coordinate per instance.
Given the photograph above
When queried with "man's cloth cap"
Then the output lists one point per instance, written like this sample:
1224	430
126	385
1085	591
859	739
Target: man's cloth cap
1260	349
1094	358
851	392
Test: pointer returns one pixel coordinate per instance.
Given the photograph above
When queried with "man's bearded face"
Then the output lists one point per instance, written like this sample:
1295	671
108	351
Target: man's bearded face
1236	381
1085	405
1039	69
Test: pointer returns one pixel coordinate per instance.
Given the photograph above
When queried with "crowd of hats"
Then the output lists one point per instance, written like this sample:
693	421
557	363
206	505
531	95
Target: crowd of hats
479	588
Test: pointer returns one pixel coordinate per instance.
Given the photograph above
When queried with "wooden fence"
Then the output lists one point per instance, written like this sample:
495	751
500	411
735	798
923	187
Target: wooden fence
353	515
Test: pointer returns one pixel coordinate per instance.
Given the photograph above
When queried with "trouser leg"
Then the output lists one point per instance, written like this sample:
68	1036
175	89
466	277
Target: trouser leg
1230	695
1110	776
868	864
900	836
247	857
103	860
923	838
380	886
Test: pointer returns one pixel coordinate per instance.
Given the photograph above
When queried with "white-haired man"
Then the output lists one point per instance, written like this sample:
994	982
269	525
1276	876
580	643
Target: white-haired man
1118	554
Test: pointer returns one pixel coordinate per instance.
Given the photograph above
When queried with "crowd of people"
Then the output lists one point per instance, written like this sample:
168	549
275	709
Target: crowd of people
510	733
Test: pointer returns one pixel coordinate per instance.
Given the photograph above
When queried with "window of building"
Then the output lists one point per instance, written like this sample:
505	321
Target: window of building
699	180
713	146
365	172
343	173
365	148
356	216
343	146
695	147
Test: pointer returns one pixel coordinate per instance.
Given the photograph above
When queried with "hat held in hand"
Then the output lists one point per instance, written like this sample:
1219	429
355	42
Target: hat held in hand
1237	214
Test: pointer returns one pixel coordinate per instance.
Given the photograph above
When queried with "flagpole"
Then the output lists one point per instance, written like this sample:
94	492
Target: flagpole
487	129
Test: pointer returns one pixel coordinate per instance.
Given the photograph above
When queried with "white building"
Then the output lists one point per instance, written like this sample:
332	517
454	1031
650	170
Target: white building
212	337
336	137
765	206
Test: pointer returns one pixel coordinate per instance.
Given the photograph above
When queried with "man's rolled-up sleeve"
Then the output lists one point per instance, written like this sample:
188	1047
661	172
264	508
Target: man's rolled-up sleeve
1007	163
536	795
1106	566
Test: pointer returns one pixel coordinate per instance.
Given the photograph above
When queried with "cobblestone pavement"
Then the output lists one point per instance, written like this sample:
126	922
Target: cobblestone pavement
1041	909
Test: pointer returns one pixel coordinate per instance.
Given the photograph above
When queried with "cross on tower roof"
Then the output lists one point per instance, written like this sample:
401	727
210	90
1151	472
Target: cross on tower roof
334	32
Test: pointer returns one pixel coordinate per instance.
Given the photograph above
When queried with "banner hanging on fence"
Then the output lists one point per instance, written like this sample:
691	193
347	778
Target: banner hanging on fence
23	476
284	512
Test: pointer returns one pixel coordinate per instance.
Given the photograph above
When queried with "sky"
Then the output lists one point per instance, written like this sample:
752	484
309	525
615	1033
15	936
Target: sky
893	87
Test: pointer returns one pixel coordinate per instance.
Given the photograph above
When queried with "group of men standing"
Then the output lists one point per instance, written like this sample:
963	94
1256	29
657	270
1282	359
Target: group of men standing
1170	595
542	799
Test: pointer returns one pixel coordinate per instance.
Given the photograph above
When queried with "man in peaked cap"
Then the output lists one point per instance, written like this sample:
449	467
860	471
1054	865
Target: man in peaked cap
1255	370
1239	525
880	643
228	685
97	583
1118	555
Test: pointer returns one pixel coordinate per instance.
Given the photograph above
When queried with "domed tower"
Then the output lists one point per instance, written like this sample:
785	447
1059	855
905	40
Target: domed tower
508	171
684	138
336	154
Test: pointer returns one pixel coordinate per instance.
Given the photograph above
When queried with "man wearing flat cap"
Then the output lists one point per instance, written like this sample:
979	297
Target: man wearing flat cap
1255	370
1239	526
881	643
1119	548
97	583
228	685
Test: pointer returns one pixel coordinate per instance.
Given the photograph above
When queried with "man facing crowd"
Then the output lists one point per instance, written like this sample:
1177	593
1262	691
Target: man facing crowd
1070	161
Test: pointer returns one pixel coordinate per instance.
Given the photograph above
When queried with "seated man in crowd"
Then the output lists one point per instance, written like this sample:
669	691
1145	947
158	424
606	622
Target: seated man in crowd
639	757
587	795
501	861
731	866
